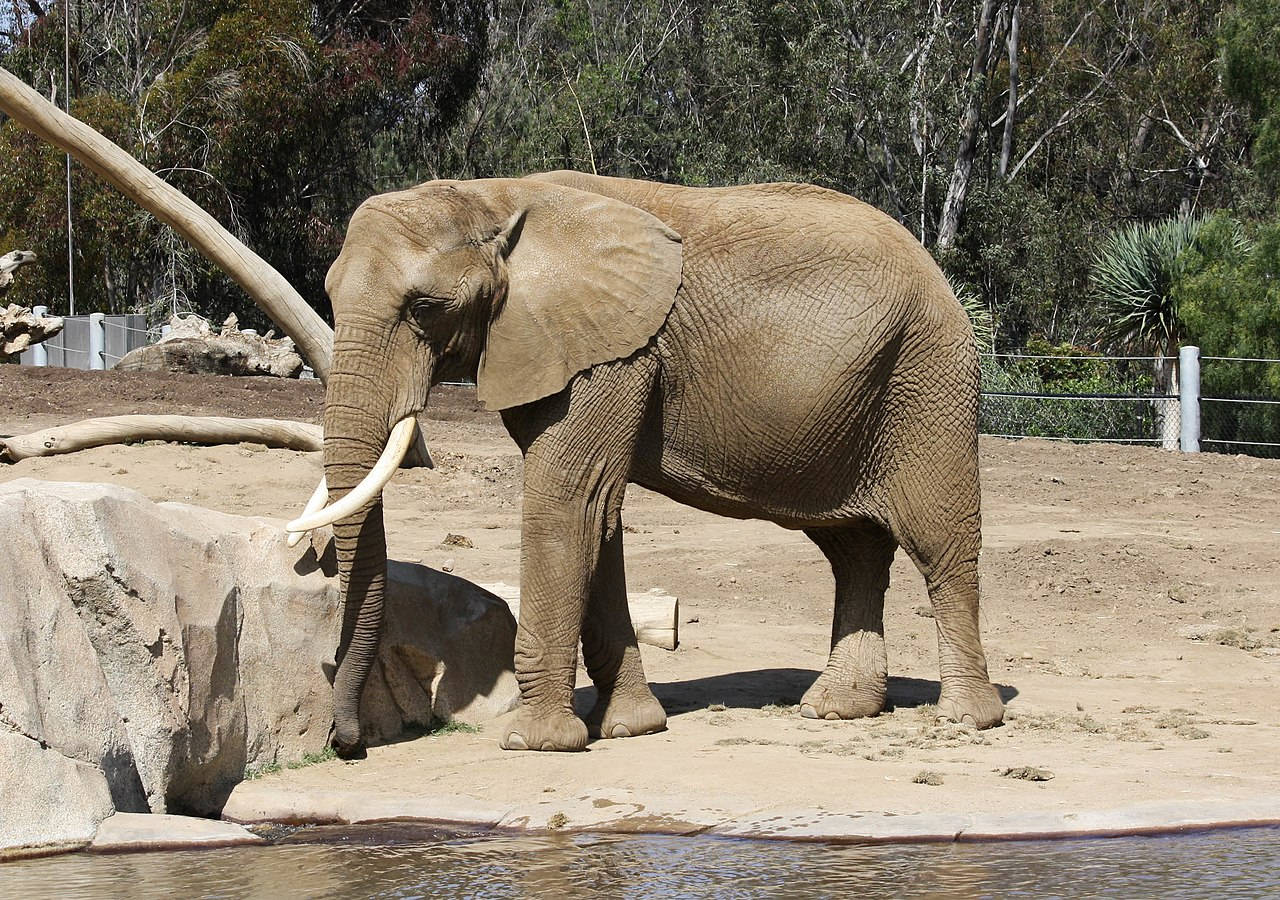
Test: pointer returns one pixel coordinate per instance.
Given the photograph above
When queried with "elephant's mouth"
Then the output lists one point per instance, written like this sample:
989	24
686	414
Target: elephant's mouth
316	514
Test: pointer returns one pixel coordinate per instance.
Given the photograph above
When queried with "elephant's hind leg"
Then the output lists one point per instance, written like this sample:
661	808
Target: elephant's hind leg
945	550
854	681
625	706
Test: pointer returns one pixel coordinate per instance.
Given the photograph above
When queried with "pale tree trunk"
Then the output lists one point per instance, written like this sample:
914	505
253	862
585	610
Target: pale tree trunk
1011	108
267	287
264	285
186	429
953	205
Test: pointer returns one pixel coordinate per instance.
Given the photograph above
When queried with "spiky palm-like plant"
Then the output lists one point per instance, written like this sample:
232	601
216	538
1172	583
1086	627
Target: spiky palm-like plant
1134	274
979	315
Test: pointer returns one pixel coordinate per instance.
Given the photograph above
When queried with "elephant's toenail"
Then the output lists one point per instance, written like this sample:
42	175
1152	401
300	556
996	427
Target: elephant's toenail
808	711
620	731
515	741
831	716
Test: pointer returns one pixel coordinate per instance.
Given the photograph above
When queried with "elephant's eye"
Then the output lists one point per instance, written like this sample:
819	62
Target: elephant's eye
426	310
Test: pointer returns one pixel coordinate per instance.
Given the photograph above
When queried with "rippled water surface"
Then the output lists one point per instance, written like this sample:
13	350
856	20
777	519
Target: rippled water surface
413	861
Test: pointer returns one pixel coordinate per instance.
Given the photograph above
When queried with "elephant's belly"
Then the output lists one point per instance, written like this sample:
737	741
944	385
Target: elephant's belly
799	465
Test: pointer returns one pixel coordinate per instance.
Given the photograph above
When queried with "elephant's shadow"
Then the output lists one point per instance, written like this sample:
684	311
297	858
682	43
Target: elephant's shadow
761	687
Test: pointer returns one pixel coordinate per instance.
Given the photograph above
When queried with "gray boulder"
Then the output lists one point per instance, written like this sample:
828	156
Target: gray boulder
152	654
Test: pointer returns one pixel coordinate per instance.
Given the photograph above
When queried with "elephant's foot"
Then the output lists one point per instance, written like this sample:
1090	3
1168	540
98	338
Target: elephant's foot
970	701
835	696
557	729
630	713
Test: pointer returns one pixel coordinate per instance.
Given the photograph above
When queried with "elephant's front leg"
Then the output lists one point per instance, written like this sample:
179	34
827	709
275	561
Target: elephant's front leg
560	545
625	706
578	450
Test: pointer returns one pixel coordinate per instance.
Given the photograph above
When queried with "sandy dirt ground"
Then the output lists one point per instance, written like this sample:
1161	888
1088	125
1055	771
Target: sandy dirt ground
1130	611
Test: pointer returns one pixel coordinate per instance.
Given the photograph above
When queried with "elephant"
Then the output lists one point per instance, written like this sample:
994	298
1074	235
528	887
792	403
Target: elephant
773	351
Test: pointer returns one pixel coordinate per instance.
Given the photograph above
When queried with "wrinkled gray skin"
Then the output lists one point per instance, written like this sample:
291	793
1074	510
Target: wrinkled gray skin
779	352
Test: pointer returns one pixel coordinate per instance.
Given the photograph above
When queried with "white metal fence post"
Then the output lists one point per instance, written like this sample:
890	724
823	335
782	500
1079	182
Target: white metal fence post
97	341
39	352
1189	397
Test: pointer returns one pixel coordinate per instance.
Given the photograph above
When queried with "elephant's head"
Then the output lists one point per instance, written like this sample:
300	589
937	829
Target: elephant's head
519	283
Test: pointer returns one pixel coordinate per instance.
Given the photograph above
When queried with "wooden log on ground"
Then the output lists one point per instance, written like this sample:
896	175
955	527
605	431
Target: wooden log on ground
181	429
655	614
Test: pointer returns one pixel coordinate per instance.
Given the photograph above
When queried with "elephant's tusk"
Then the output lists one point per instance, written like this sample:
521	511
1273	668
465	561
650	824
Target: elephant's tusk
318	499
370	488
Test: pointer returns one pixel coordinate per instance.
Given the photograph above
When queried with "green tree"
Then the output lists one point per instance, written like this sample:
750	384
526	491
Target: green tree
1230	307
1251	66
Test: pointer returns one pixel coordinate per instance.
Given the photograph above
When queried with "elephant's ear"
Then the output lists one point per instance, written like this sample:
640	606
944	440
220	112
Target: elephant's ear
590	280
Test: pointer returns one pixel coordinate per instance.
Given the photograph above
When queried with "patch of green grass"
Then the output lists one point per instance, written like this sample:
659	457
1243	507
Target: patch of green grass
308	759
438	727
268	769
453	727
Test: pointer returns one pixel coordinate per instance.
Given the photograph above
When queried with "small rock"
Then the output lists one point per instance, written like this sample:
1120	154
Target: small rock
692	620
447	566
925	612
253	447
457	540
930	778
1026	773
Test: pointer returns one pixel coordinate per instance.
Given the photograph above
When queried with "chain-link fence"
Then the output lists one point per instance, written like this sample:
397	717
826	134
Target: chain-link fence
1234	403
1079	398
1240	405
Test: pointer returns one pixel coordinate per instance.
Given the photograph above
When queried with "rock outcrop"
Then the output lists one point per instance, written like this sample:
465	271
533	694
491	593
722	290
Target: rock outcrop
10	263
20	328
193	346
152	654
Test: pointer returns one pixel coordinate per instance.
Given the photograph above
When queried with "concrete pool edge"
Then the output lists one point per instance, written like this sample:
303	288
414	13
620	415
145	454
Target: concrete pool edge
142	832
774	823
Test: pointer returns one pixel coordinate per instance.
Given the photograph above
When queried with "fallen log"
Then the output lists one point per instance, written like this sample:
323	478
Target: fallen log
655	614
180	429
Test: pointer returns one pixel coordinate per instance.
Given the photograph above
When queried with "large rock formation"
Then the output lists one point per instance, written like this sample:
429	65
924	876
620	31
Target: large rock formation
20	328
193	346
152	654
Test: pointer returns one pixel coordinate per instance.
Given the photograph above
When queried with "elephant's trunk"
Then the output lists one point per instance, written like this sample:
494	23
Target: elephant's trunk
354	438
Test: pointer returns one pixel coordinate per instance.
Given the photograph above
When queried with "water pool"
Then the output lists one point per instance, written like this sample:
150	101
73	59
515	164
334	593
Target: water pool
409	860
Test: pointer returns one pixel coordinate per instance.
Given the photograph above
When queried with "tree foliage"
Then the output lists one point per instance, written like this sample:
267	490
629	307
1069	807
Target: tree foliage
1011	136
279	116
